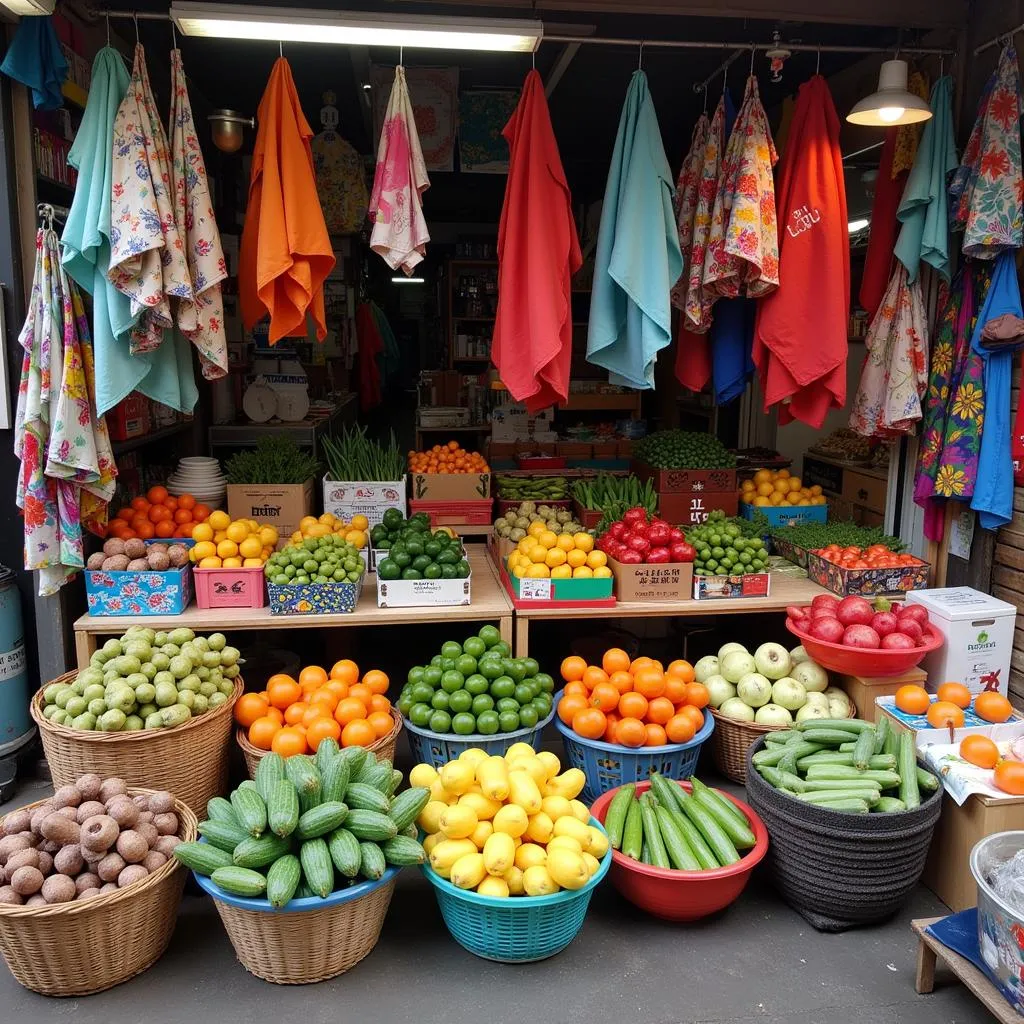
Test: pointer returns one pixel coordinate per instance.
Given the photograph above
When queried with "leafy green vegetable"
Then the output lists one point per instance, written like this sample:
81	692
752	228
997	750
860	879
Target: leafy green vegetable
681	449
275	460
608	493
354	456
812	536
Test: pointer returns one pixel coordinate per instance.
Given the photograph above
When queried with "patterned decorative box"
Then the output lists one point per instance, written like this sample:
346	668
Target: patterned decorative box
866	582
786	515
313	598
230	588
138	593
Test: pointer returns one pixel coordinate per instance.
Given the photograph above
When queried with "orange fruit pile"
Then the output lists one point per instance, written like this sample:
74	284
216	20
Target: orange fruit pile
632	703
158	514
778	487
291	716
447	458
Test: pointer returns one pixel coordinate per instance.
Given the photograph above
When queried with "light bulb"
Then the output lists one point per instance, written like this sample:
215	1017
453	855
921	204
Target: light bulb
891	114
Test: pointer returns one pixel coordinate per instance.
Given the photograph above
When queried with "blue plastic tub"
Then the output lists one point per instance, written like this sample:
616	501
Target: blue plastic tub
439	748
519	929
609	765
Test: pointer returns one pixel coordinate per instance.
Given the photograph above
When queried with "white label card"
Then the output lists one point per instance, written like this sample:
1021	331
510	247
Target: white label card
534	590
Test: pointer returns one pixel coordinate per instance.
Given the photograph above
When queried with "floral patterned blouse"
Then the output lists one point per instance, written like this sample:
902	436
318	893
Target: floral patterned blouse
686	202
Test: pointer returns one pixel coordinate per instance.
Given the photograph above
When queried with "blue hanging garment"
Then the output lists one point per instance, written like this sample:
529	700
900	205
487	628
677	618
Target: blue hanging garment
36	60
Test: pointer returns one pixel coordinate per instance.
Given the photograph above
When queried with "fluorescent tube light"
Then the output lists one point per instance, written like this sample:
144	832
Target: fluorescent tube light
355	28
29	8
857	225
408	280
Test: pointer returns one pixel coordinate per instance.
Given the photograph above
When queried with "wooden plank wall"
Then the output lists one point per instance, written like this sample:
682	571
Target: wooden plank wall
1008	572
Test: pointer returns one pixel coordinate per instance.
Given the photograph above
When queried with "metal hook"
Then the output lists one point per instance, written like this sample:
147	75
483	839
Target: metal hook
280	48
753	54
108	29
135	18
533	59
817	66
640	58
174	35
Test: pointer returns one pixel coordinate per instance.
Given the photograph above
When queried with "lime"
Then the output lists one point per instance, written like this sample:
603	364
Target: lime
542	704
487	723
436	660
405	703
502	649
440	721
477	684
482	702
466	664
490	668
515	668
474	646
528	716
503	686
419	715
508	721
432	571
531	665
432	676
439	702
459	701
415	674
389	569
452	681
507	704
421	693
447	664
464	724
489	635
523	694
546	683
411	574
450	649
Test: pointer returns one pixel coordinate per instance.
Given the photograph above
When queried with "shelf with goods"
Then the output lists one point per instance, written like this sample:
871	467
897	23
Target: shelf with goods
471	300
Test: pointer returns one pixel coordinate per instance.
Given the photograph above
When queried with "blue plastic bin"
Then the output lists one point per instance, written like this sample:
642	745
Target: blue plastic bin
609	765
439	748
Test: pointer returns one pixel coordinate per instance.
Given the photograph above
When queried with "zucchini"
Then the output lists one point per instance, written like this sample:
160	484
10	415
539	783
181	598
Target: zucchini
302	771
741	835
773	757
240	882
258	853
881	732
910	792
355	757
926	780
326	751
676	847
652	834
219	809
333	778
720	843
268	771
876	761
222	834
250	809
864	749
847	748
615	819
320	820
370	826
371	861
344	850
818	785
361	797
283	880
633	832
787	763
317	867
283	808
851	805
888	804
203	858
694	840
406	807
396	781
830	796
892	743
886	779
375	773
402	851
828	736
854	725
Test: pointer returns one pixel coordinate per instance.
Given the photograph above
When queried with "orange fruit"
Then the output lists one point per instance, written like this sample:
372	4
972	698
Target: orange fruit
604	697
349	710
346	671
165	528
379	703
146	530
1009	777
609	733
294	712
955	693
660	710
697	695
942	714
656	736
683	669
320	730
283	690
276	714
912	699
992	707
262	732
170	502
569	705
594	676
675	688
186	501
312	713
649	681
358	733
376	680
157	494
638	663
159	514
679	729
140	504
250	706
575	687
980	751
382	723
326	697
127	514
622	681
633	705
590	723
695	715
200	513
288	742
362	693
337	687
615	660
631	732
312	674
182	516
572	668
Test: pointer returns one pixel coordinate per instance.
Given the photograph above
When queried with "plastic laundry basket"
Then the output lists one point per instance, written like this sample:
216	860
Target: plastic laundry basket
439	748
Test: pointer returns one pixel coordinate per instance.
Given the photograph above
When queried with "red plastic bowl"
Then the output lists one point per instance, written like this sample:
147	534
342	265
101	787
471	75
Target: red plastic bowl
855	661
683	895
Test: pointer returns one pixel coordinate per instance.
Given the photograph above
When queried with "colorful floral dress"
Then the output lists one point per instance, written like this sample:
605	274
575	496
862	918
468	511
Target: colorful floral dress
686	201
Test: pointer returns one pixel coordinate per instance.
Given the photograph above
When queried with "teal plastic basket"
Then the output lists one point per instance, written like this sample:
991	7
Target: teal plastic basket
439	748
520	929
610	765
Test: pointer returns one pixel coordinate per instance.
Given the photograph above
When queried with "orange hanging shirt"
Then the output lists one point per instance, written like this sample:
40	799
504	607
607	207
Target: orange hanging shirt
286	251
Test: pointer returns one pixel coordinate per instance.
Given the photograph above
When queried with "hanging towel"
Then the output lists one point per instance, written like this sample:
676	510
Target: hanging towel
637	259
924	210
201	318
781	133
993	492
286	253
399	233
35	59
742	256
371	346
801	337
988	187
882	238
538	252
164	375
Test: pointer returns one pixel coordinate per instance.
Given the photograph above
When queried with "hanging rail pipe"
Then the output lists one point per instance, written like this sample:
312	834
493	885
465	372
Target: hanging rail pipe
699	87
996	40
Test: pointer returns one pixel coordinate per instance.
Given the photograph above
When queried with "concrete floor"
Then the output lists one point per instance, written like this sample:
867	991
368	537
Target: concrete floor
758	961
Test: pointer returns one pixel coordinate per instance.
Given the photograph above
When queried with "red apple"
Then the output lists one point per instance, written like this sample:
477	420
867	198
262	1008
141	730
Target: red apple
883	623
911	627
796	613
897	642
914	611
855	611
824	611
827	628
825	601
860	635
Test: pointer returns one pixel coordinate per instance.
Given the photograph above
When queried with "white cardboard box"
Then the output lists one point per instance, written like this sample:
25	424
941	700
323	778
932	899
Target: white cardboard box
979	638
514	423
371	498
423	593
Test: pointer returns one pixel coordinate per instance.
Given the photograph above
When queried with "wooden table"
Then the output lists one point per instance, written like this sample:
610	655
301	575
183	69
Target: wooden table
491	603
785	590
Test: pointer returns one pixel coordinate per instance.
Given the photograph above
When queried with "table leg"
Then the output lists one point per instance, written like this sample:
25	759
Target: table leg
522	644
925	980
85	647
505	626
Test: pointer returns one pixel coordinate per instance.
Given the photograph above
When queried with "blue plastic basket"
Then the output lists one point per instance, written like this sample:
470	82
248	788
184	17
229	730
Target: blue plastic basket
439	748
609	765
517	930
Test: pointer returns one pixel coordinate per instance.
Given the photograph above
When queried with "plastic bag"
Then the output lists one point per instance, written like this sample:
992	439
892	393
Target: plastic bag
1007	881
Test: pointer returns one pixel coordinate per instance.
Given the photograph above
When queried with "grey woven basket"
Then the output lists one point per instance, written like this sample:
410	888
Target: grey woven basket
841	870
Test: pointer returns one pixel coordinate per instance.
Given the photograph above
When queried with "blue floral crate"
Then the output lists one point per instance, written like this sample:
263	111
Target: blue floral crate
313	598
786	515
145	592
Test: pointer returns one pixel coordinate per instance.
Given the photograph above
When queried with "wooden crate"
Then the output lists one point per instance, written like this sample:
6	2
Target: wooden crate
1008	585
863	690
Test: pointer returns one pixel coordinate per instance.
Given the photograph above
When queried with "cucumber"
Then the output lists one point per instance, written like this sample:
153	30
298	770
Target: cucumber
355	757
320	820
283	880
876	761
864	749
645	853
783	780
302	771
847	748
268	771
773	757
782	736
222	834
370	826
694	840
892	743
240	882
361	797
828	736
219	809
886	779
664	791
854	725
250	809
344	850
326	751
615	819
787	763
817	785
376	774
851	805
926	780
258	853
715	836
830	796
888	804
679	852
406	807
910	792
283	808
371	861
396	781
203	858
633	832
741	835
403	851
881	732
333	779
317	867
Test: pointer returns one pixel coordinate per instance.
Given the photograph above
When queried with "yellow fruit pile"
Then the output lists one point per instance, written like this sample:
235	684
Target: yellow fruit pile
544	554
224	543
355	532
509	826
777	487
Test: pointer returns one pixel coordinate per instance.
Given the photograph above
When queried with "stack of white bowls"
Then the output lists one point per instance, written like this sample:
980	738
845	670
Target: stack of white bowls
202	478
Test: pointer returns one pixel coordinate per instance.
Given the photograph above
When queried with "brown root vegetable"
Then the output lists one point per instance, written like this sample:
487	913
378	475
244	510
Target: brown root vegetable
110	867
108	887
178	554
38	814
161	802
69	861
132	846
123	810
138	565
132	873
67	796
115	563
71	813
141	800
87	894
9	897
99	833
88	880
59	889
135	548
88	810
27	880
89	786
148	831
154	860
92	857
35	901
22	858
166	824
95	560
45	862
158	561
59	829
49	846
15	822
146	816
12	844
113	787
114	546
166	845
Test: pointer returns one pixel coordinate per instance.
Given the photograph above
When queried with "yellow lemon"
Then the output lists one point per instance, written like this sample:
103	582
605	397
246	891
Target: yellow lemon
576	558
794	483
210	562
596	559
762	476
783	474
296	537
547	538
584	572
360	523
252	563
555	557
237	532
266	553
776	498
815	490
317	530
562	572
327	519
536	528
583	541
202	532
250	547
227	549
219	520
761	501
538	553
204	549
232	563
565	542
538	571
525	545
602	572
357	538
268	536
793	497
306	522
219	536
765	488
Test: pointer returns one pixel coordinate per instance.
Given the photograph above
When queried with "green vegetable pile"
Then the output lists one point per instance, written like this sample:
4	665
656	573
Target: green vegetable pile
812	536
726	547
416	553
354	456
844	764
607	493
667	827
394	525
329	559
681	449
533	488
476	688
308	826
516	521
275	460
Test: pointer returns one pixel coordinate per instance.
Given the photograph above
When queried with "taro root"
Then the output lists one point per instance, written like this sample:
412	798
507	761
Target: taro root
88	880
20	859
59	829
88	810
110	867
66	796
132	847
146	816
108	887
123	810
35	901
166	824
45	862
95	560
87	894
154	860
99	833
148	832
69	812
12	844
116	563
92	857
178	554
27	880
15	822
59	889
158	561
166	845
161	802
132	873
111	788
138	565
114	546
141	800
89	786
42	811
9	897
135	548
69	860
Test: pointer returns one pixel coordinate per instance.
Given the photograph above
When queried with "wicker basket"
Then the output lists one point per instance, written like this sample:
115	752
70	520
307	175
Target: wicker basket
322	940
75	949
383	748
190	760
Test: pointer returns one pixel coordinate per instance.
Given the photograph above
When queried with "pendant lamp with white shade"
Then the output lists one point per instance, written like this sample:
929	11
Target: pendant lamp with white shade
893	104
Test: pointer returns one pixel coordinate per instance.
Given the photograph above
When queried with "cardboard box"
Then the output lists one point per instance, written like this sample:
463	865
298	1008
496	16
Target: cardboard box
979	637
691	508
514	423
450	486
370	498
863	690
423	593
130	418
672	581
138	593
279	505
790	551
717	588
686	481
925	734
866	582
787	515
314	598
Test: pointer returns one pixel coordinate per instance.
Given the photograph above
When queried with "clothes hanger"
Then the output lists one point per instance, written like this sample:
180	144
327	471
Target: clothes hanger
640	58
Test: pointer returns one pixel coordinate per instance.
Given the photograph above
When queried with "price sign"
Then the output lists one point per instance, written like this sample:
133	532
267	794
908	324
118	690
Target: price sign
534	590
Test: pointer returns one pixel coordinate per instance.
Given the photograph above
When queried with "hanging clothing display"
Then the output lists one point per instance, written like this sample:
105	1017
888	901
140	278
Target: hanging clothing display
286	253
883	232
801	336
67	472
742	256
538	253
638	259
371	345
35	59
908	136
201	318
399	233
340	178
988	187
924	209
